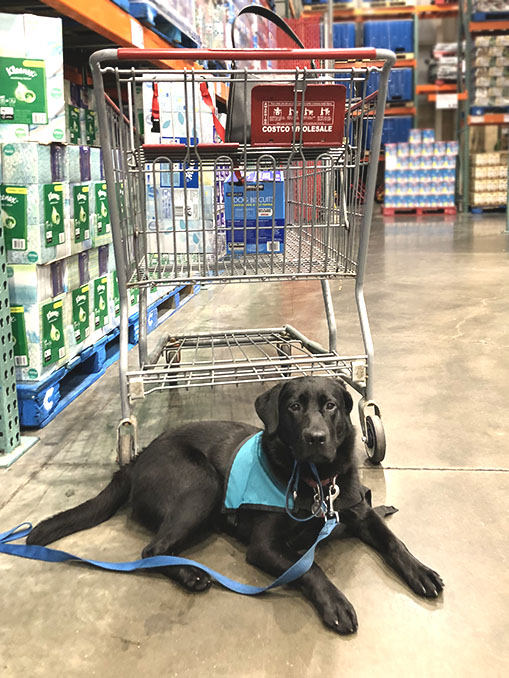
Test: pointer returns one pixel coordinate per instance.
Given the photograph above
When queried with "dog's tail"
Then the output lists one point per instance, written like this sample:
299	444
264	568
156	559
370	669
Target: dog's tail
88	514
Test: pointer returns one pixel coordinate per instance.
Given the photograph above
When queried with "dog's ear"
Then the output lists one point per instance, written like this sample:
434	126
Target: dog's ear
345	395
267	408
348	401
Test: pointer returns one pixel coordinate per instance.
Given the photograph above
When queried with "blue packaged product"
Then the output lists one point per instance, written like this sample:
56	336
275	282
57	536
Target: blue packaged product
261	196
439	148
452	148
415	136
415	149
428	135
403	150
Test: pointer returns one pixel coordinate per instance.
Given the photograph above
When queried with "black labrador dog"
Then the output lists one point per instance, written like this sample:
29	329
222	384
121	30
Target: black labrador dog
176	488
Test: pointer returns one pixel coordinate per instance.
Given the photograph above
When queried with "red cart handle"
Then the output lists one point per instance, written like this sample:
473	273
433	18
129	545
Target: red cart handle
132	54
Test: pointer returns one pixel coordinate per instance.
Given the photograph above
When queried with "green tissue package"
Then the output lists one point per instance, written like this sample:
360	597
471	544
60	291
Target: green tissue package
31	79
81	211
38	319
35	223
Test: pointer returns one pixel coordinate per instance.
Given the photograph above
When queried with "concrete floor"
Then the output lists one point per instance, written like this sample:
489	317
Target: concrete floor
437	293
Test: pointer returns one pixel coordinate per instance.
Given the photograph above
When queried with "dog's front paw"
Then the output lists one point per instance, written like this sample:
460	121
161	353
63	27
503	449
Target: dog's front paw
338	613
424	581
192	578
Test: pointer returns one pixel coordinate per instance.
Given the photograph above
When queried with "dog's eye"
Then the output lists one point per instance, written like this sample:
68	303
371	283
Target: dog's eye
294	407
330	405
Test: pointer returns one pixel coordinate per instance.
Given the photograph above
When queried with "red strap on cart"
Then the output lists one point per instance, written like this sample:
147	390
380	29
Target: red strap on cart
207	99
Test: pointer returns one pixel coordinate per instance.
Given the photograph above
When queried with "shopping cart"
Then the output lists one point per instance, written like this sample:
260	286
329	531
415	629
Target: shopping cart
291	198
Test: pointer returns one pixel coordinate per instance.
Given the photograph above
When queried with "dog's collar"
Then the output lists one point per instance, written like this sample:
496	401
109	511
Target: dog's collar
312	482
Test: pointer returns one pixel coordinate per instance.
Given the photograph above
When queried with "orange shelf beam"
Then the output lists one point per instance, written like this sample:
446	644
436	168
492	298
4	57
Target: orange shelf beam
462	96
489	119
436	11
400	110
483	26
400	63
423	11
110	21
428	89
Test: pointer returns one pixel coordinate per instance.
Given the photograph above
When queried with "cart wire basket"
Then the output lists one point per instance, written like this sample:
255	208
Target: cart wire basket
286	192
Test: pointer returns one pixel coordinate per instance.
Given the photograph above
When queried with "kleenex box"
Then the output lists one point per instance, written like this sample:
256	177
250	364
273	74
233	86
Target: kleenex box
34	219
33	163
260	196
38	301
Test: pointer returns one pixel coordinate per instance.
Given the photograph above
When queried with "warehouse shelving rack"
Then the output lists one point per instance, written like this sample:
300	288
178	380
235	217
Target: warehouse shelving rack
416	13
467	30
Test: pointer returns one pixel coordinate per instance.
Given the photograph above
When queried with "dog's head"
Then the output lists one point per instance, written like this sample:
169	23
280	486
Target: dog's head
310	415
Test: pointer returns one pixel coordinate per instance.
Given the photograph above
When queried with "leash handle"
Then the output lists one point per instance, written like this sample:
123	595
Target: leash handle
34	552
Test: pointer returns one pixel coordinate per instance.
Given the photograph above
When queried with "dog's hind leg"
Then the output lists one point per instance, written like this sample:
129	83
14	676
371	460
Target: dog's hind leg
179	527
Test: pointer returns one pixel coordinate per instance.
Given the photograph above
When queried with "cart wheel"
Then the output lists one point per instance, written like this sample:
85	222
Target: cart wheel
126	441
375	439
125	449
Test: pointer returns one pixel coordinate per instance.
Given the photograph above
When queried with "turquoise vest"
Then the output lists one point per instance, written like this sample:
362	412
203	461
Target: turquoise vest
249	483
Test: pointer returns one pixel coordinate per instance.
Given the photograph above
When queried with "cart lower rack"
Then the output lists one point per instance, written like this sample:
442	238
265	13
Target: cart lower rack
240	356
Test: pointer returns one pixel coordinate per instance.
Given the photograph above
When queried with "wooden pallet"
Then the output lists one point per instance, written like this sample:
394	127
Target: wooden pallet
490	16
487	208
386	3
418	211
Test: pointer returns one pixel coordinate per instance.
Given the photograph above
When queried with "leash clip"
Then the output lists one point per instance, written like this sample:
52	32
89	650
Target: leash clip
331	498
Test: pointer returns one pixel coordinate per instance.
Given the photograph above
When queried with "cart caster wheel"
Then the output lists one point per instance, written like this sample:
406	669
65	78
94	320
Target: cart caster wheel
375	439
125	450
126	441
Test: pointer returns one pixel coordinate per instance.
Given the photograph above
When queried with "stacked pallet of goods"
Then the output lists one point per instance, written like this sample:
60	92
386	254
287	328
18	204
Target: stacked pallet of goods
488	180
420	175
54	207
491	64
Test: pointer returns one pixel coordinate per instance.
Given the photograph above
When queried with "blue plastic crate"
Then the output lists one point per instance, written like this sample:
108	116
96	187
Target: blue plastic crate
400	88
396	35
343	35
396	128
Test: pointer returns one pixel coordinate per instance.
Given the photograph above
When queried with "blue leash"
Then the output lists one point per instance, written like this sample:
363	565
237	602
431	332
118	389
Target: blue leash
54	556
300	567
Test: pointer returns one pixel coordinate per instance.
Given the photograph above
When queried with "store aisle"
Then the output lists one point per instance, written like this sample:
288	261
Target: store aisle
437	294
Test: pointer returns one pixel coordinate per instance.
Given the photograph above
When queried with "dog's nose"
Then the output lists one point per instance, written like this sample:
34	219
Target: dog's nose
314	437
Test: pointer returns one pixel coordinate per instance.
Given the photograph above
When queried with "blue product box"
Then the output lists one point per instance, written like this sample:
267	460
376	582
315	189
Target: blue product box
403	150
415	136
415	149
428	135
428	148
452	148
439	148
261	194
